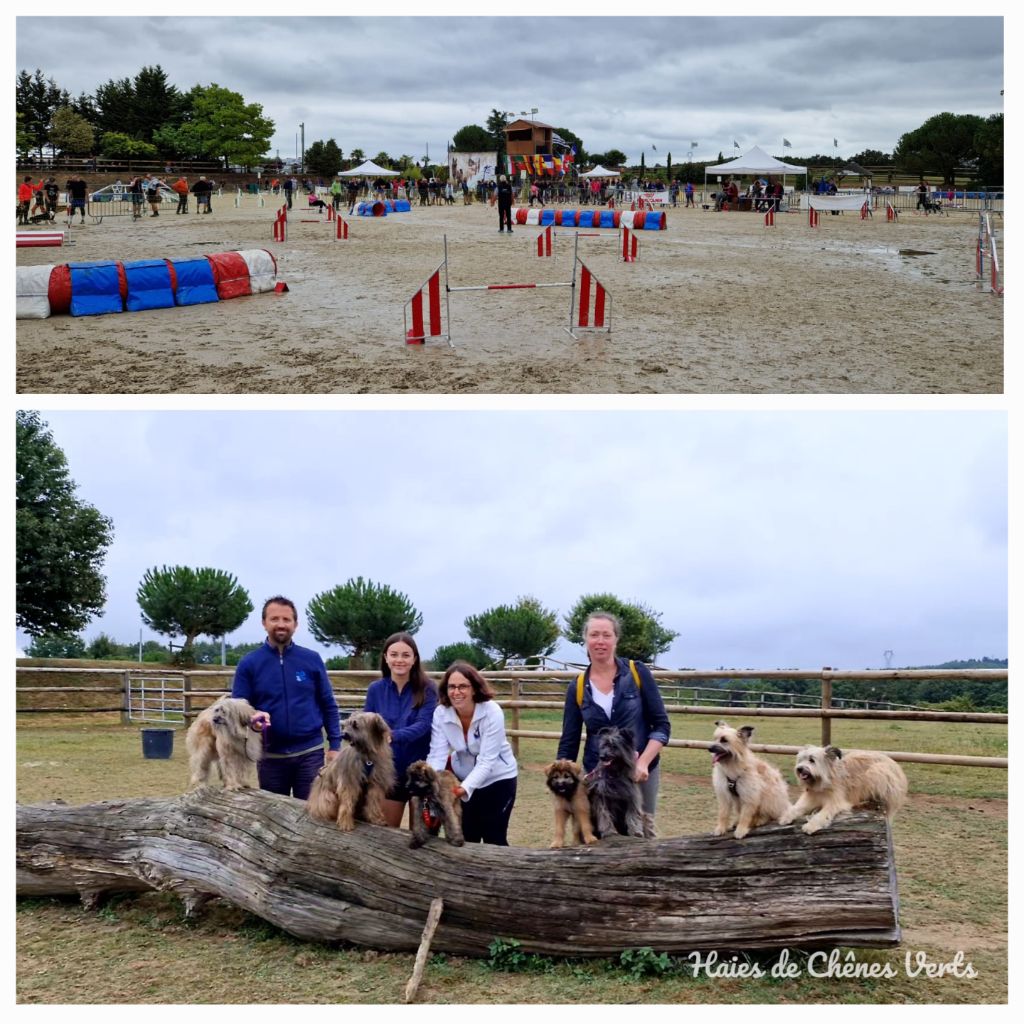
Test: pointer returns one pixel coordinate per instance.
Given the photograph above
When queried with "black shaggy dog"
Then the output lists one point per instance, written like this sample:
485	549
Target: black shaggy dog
615	803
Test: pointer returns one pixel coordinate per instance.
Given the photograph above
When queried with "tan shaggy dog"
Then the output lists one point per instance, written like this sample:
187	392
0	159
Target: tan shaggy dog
569	795
433	803
221	735
750	792
835	781
355	783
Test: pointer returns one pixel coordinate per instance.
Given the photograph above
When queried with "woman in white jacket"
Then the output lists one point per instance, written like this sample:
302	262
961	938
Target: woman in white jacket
469	728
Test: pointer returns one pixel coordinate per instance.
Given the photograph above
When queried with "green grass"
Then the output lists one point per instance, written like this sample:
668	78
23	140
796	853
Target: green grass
950	852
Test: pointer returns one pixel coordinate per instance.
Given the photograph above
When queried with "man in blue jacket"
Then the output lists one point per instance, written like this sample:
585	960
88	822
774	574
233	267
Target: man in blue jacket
288	686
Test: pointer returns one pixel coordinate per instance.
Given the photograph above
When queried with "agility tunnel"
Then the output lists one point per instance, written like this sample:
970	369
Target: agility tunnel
637	220
115	286
382	207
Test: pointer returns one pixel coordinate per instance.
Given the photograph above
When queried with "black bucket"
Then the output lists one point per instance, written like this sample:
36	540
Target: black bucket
157	743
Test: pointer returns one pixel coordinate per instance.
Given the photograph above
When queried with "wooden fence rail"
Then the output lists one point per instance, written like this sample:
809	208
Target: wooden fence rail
514	703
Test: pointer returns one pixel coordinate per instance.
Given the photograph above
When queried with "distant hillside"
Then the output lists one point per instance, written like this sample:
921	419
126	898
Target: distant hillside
971	663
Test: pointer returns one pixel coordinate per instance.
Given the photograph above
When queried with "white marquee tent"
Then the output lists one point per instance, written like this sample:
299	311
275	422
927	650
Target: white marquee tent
600	172
755	161
367	169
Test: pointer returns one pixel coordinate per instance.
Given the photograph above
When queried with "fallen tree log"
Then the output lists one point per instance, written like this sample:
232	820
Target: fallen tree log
259	851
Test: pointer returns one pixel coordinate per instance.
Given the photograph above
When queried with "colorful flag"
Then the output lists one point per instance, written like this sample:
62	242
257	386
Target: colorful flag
694	145
736	144
787	144
558	165
538	163
835	142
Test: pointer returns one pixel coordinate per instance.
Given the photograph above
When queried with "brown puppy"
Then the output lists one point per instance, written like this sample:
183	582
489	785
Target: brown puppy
355	783
835	781
569	795
750	791
221	735
433	804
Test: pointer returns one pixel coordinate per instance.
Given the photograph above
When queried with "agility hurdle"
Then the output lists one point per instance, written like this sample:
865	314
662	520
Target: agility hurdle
812	217
891	213
987	245
769	217
591	313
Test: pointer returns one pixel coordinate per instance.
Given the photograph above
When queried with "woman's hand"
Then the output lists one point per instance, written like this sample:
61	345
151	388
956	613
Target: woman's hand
458	791
260	720
641	772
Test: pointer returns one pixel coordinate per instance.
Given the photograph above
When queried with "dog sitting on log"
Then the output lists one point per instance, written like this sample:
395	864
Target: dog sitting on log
354	784
221	735
750	792
616	805
835	781
569	795
433	804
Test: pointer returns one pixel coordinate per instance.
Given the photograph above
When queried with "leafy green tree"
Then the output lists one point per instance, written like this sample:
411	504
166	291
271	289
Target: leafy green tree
155	103
228	128
118	146
643	636
871	158
356	157
523	630
56	645
383	160
988	143
471	138
446	654
36	99
180	601
943	143
115	107
61	540
106	648
70	132
360	615
323	158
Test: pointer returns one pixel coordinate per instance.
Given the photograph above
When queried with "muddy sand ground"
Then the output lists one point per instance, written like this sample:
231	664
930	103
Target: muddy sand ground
717	303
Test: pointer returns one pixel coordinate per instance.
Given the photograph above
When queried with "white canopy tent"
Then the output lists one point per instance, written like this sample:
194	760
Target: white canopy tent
368	169
600	172
754	161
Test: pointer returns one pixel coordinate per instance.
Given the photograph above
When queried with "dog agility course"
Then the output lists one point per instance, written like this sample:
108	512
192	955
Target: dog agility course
718	302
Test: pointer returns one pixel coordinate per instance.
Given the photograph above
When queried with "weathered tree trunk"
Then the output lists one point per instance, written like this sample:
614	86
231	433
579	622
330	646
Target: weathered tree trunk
778	887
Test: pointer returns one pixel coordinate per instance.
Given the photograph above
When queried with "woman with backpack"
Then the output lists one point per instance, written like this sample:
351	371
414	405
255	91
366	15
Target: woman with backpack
614	691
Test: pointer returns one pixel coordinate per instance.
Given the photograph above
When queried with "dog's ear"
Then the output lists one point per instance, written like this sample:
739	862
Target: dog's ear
833	753
627	736
548	768
746	731
721	723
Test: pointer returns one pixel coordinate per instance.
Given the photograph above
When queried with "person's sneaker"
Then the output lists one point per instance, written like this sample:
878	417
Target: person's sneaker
510	231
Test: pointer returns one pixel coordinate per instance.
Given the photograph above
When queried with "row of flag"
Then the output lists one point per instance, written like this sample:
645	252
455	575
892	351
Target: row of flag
541	163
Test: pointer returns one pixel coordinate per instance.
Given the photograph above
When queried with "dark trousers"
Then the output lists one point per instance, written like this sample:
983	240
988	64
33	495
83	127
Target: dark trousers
504	215
182	203
485	815
288	193
291	776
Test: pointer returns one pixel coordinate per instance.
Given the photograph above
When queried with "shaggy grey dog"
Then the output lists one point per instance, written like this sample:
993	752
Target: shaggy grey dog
615	802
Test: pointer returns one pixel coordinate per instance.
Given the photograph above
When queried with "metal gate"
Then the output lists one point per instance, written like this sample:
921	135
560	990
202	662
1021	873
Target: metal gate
159	699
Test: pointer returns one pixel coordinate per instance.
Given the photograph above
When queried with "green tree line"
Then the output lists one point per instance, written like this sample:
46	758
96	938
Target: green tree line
145	117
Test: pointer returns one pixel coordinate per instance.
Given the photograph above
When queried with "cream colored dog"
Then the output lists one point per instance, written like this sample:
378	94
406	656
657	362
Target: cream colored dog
750	791
835	781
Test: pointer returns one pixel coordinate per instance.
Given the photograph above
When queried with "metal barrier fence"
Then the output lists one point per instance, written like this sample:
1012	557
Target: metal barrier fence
512	683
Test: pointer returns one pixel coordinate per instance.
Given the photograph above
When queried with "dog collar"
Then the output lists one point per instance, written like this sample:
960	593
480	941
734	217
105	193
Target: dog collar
430	819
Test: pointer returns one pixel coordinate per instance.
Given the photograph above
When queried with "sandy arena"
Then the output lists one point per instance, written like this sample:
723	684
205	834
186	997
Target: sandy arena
717	303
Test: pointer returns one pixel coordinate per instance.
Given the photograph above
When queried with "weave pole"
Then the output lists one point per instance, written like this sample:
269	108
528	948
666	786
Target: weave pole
544	242
630	247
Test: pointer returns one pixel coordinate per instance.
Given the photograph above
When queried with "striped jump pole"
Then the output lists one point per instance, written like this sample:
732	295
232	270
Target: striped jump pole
630	248
891	212
280	228
38	238
435	326
544	242
330	212
865	211
340	228
812	217
769	217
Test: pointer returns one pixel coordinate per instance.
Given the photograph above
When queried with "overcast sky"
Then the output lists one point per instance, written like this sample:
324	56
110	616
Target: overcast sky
638	84
766	539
